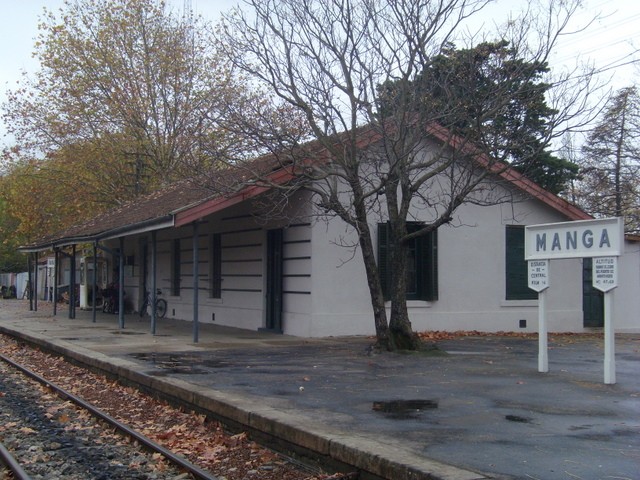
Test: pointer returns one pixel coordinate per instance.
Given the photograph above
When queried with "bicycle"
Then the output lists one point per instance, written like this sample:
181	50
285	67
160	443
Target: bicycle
160	305
110	298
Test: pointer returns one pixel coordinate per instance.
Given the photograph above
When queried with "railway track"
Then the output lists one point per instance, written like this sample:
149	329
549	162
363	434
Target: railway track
46	429
37	420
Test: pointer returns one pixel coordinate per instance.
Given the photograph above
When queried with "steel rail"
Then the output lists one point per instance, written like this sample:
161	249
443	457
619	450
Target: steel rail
12	464
194	470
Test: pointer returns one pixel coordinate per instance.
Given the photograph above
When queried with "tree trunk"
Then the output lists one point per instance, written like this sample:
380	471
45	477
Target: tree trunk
402	336
375	288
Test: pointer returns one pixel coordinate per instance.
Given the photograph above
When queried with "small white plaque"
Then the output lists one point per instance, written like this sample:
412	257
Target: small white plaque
605	273
538	274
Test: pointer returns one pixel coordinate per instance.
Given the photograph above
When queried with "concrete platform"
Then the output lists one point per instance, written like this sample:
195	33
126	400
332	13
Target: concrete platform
480	411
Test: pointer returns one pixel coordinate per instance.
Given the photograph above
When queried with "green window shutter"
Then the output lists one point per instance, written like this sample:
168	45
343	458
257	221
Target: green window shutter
517	284
383	259
427	247
429	251
216	267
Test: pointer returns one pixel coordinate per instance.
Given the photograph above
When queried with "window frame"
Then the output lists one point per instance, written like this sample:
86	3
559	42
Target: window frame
425	263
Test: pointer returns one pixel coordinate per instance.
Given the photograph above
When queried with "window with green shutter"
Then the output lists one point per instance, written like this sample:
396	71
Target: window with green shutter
422	268
517	285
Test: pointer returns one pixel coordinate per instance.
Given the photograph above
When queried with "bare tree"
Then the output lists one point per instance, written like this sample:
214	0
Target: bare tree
611	162
383	144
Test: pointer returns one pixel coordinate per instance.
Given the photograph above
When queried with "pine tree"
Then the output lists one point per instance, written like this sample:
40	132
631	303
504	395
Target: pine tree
611	162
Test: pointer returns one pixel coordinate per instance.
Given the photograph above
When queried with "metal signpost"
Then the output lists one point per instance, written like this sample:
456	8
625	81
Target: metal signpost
538	271
605	279
601	239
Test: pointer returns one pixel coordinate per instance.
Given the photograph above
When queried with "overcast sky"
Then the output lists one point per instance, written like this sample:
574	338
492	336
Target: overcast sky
609	43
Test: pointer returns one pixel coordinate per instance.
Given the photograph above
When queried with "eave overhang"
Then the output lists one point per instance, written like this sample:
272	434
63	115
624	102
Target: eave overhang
159	223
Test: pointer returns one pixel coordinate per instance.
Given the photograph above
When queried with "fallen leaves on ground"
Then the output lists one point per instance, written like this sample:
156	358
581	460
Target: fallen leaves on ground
203	442
435	335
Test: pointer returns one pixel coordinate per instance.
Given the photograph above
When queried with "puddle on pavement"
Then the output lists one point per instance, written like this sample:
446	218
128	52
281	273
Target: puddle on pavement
123	332
517	418
172	364
404	409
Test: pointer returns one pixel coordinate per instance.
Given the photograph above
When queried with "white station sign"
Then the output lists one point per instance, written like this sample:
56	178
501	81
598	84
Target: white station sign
538	274
602	240
578	239
605	273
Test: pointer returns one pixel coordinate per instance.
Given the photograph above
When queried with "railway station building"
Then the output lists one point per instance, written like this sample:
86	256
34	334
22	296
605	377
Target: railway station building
223	258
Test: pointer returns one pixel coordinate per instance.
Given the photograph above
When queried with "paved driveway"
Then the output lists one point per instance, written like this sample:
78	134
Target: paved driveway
481	405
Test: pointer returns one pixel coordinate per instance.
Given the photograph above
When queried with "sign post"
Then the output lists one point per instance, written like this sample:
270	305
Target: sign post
601	239
605	279
538	273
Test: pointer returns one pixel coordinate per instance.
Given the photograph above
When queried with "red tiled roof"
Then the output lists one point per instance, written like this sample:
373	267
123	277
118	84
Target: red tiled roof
185	202
154	209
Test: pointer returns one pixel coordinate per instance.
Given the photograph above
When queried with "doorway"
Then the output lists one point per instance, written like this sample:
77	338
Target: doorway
273	321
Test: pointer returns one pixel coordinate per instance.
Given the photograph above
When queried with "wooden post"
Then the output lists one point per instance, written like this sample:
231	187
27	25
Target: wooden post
543	350
609	340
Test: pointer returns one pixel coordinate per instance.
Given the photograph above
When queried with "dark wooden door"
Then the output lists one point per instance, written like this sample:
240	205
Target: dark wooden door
274	280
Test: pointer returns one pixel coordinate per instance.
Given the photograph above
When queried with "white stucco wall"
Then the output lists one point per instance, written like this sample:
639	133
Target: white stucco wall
626	297
471	264
325	289
243	239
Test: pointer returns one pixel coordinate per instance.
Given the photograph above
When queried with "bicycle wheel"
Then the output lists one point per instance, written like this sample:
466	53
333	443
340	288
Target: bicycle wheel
143	308
161	307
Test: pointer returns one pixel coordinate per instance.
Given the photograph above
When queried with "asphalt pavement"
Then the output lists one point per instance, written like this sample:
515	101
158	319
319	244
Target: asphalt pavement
475	408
